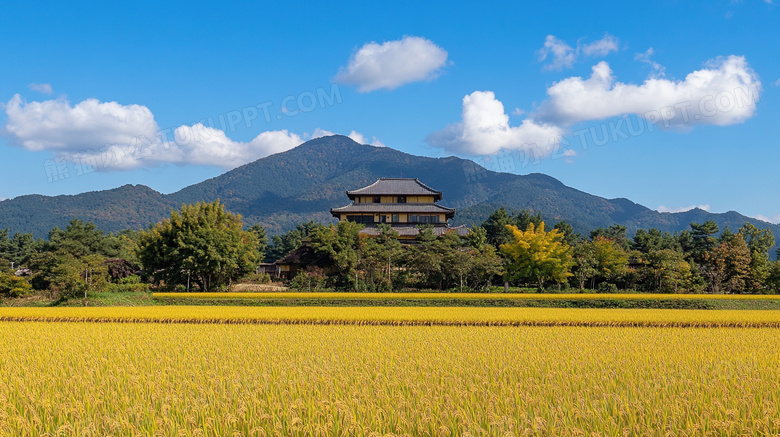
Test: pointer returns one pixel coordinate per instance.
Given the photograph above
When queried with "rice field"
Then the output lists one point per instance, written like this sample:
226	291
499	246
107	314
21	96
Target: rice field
400	316
121	379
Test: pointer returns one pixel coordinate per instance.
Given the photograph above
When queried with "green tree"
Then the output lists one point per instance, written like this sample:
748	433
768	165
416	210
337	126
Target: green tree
773	281
538	255
341	245
495	228
18	248
64	275
611	258
654	240
569	236
584	255
703	239
668	271
262	239
477	238
759	242
378	258
83	238
523	218
202	241
283	244
727	266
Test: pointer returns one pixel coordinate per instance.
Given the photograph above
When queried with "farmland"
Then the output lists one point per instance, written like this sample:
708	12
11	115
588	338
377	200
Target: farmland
400	316
257	380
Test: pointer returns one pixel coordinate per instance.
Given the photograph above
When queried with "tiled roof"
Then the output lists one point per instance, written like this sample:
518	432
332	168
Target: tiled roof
396	187
394	208
412	231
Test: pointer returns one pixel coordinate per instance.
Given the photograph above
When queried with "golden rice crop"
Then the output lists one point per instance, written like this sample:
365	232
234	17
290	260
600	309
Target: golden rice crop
462	296
85	379
454	316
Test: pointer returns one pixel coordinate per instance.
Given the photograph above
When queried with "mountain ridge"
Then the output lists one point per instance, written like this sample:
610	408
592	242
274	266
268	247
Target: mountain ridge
301	184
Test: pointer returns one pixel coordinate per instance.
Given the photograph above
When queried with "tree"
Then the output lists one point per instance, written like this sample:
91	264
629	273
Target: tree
727	266
585	263
65	275
759	242
611	259
202	241
616	233
13	286
538	255
83	238
341	245
379	255
654	240
569	237
773	281
703	239
668	270
523	218
477	238
283	244
262	239
19	248
495	228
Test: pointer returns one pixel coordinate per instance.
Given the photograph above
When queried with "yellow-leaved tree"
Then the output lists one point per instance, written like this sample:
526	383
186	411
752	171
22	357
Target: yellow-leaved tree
537	255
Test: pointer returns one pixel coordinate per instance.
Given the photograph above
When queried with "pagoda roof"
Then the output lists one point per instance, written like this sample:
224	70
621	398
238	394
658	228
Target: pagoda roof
396	187
394	208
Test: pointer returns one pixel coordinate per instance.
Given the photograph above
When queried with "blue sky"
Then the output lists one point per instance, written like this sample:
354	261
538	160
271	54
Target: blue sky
670	104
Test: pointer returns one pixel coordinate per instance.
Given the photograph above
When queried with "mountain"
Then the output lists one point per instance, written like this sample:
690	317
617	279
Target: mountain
302	184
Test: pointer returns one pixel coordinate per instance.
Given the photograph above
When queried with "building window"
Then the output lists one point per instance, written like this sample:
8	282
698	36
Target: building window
364	219
396	218
401	199
382	219
377	199
424	219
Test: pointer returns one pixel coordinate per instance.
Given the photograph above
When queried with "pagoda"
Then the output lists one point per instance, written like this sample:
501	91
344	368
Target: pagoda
402	203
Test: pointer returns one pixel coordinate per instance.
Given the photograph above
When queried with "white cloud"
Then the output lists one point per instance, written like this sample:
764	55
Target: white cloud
319	133
354	135
562	55
361	139
56	125
110	136
775	219
646	57
724	92
485	129
392	64
601	47
191	145
662	208
43	88
776	83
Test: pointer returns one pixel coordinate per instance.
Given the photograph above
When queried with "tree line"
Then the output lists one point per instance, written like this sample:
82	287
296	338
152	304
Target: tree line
518	249
203	247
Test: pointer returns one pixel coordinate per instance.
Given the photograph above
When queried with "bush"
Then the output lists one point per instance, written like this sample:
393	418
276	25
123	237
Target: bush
127	288
310	280
130	280
256	278
14	286
607	287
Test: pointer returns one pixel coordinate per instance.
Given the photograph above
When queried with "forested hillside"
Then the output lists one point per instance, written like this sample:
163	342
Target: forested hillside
302	184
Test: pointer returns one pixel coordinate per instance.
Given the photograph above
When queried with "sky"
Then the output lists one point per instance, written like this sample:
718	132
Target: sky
672	104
